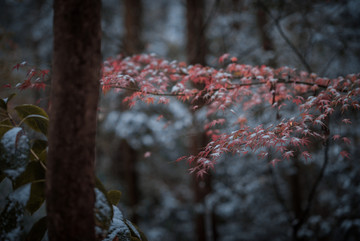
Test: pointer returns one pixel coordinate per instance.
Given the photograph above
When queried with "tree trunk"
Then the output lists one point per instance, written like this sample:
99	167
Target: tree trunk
124	166
196	46
133	25
196	52
202	187
267	43
126	157
74	98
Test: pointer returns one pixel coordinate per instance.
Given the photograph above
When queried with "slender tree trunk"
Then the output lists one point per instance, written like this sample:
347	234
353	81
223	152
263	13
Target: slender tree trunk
296	197
266	40
196	46
124	165
74	98
202	187
196	49
126	157
133	25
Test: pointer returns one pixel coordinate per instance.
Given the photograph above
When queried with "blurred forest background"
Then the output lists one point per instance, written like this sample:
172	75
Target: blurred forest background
244	198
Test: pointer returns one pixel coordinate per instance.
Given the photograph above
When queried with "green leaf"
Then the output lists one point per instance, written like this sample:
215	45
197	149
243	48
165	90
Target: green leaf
5	125
14	152
37	196
35	117
38	147
33	172
43	156
135	233
4	102
114	196
38	230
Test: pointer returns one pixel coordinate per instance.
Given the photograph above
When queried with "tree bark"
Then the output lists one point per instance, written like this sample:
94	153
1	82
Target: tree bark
196	46
74	98
266	40
124	166
133	25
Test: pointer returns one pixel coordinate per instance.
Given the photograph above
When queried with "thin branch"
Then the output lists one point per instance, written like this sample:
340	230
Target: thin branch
287	40
278	193
313	190
234	86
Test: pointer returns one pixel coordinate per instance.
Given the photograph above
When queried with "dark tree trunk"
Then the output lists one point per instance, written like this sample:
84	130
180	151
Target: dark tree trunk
74	98
133	25
196	46
296	198
126	157
202	187
266	40
124	163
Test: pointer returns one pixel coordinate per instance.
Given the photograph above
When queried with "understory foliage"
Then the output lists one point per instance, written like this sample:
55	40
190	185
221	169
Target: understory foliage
236	88
232	89
23	156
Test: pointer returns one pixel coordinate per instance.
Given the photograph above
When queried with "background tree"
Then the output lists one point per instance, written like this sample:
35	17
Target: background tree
73	114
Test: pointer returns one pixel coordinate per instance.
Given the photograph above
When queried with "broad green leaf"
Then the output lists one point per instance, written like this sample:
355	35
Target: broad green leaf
34	172
38	230
4	102
14	152
114	196
38	147
35	117
5	125
43	156
136	234
37	196
7	100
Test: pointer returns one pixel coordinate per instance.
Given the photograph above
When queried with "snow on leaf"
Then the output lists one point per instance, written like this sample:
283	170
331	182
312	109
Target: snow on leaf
15	150
11	218
118	229
288	154
102	209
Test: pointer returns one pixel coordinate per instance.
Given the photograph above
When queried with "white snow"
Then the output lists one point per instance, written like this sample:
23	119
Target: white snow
15	146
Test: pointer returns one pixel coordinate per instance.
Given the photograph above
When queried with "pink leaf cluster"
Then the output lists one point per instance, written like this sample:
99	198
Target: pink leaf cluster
154	80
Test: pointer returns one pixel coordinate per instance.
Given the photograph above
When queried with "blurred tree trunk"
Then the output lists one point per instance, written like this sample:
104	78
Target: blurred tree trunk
74	99
296	197
196	46
125	159
124	166
266	41
196	50
132	43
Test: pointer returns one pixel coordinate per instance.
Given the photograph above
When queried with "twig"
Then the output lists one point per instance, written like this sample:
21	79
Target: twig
287	40
234	86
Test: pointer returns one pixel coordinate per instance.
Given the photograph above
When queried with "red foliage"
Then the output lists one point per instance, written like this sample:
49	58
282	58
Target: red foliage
316	99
